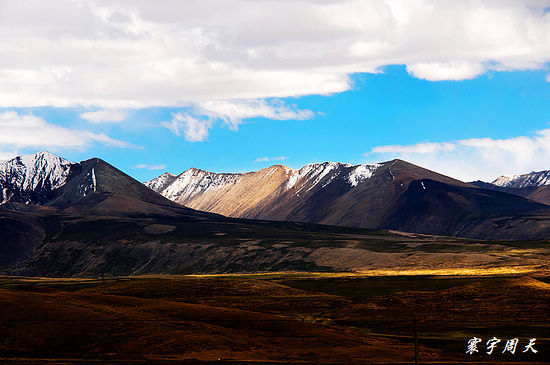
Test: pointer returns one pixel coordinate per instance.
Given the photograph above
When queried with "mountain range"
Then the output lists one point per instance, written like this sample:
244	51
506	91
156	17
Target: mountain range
60	218
390	195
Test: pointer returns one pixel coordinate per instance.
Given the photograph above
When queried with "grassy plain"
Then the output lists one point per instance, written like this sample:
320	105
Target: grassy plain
273	318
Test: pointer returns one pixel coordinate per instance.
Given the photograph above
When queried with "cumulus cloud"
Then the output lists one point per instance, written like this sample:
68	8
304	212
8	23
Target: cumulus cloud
29	131
196	122
475	158
267	159
136	54
194	129
105	116
150	167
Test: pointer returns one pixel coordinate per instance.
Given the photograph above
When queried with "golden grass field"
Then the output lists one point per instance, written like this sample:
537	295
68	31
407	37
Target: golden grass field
272	317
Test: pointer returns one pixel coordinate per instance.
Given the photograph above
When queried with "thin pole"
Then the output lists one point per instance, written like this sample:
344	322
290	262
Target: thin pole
415	343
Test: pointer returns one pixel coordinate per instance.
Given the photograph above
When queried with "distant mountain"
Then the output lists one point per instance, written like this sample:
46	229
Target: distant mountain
534	185
539	178
34	178
49	180
329	192
390	195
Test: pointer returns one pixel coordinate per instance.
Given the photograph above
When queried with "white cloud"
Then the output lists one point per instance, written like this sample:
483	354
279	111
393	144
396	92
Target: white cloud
150	167
548	78
451	70
136	54
105	116
475	158
267	159
194	129
196	122
29	131
419	148
233	112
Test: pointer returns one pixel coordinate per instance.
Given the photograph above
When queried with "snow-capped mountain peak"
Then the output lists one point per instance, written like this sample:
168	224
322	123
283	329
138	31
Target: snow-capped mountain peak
30	178
194	181
535	178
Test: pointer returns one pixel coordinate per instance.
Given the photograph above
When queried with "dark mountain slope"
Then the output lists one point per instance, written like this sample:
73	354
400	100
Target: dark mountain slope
539	194
96	175
21	230
439	208
333	200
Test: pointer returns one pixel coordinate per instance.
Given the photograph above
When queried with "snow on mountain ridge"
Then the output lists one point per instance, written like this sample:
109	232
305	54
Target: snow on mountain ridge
194	181
161	182
31	175
535	178
362	173
317	171
313	171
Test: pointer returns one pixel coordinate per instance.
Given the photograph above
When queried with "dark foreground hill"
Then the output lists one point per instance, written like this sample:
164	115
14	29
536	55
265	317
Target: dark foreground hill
112	234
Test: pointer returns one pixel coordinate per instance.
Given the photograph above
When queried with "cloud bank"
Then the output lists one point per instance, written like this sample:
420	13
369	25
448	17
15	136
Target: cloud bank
19	131
195	123
137	53
475	158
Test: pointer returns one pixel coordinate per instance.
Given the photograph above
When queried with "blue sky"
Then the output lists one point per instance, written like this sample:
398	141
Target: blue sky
355	82
386	108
